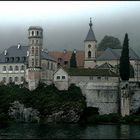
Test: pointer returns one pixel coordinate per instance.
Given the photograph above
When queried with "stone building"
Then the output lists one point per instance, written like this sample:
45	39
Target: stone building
27	63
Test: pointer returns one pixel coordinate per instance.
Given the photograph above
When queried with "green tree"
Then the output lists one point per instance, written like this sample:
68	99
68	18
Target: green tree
124	60
73	63
109	42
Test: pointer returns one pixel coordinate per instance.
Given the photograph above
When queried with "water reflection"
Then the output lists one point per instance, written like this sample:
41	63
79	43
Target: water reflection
69	131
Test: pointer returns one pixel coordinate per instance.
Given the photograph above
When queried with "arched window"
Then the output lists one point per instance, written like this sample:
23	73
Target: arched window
16	79
10	79
4	79
32	33
4	68
16	68
48	65
32	50
32	62
36	62
22	79
10	68
36	51
89	54
22	67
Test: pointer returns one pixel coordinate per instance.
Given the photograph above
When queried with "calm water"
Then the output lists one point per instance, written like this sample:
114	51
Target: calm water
69	131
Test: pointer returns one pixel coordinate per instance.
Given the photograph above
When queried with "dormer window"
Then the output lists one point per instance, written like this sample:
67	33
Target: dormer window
12	59
23	58
37	33
32	33
17	59
7	59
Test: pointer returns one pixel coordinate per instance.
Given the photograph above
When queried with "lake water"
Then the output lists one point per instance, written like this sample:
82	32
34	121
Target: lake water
69	131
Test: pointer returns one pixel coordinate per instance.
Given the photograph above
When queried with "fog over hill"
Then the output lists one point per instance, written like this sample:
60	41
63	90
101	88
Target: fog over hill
66	23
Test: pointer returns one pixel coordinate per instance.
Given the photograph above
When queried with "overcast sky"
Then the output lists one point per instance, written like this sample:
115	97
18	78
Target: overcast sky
66	23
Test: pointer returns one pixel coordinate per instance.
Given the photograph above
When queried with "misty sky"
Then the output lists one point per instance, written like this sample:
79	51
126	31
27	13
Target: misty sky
66	23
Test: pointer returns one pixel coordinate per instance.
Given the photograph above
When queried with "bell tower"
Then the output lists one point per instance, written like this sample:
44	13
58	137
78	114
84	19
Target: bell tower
90	48
35	36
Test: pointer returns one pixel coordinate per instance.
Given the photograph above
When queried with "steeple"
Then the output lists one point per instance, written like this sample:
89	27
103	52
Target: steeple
90	36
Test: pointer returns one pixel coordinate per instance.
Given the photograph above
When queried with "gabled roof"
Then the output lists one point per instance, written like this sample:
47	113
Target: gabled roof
20	52
114	54
90	72
105	66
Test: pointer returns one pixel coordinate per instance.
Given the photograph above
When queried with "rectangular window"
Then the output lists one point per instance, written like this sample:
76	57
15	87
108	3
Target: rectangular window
65	62
91	78
99	78
63	77
106	78
58	77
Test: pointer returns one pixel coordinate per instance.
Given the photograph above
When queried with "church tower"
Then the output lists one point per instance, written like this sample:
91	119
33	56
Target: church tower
90	48
35	36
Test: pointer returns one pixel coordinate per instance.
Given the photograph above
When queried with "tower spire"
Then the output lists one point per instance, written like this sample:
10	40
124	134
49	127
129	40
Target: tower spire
90	24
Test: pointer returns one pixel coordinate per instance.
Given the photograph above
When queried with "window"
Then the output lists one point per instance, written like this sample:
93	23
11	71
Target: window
4	79
17	59
48	65
36	51
23	58
22	67
7	59
10	79
59	59
32	50
98	77
32	41
32	33
22	79
16	79
32	62
12	59
65	62
89	54
36	62
89	46
36	41
16	68
91	77
37	33
106	78
4	68
51	66
63	77
58	77
10	68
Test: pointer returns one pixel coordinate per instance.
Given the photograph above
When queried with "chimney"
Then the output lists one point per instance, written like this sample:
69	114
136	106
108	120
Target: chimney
18	45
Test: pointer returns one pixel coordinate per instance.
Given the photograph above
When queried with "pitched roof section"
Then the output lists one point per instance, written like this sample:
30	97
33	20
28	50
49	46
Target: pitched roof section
90	72
90	36
66	55
114	54
20	52
105	66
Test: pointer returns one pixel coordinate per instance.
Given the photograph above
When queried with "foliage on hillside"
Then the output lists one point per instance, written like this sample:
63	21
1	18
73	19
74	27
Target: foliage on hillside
109	42
45	99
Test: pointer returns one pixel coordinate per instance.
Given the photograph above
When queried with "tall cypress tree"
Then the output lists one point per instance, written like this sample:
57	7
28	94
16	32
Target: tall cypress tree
73	63
124	60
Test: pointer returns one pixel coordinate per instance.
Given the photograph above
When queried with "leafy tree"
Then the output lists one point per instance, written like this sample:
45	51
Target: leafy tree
109	42
124	60
73	63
